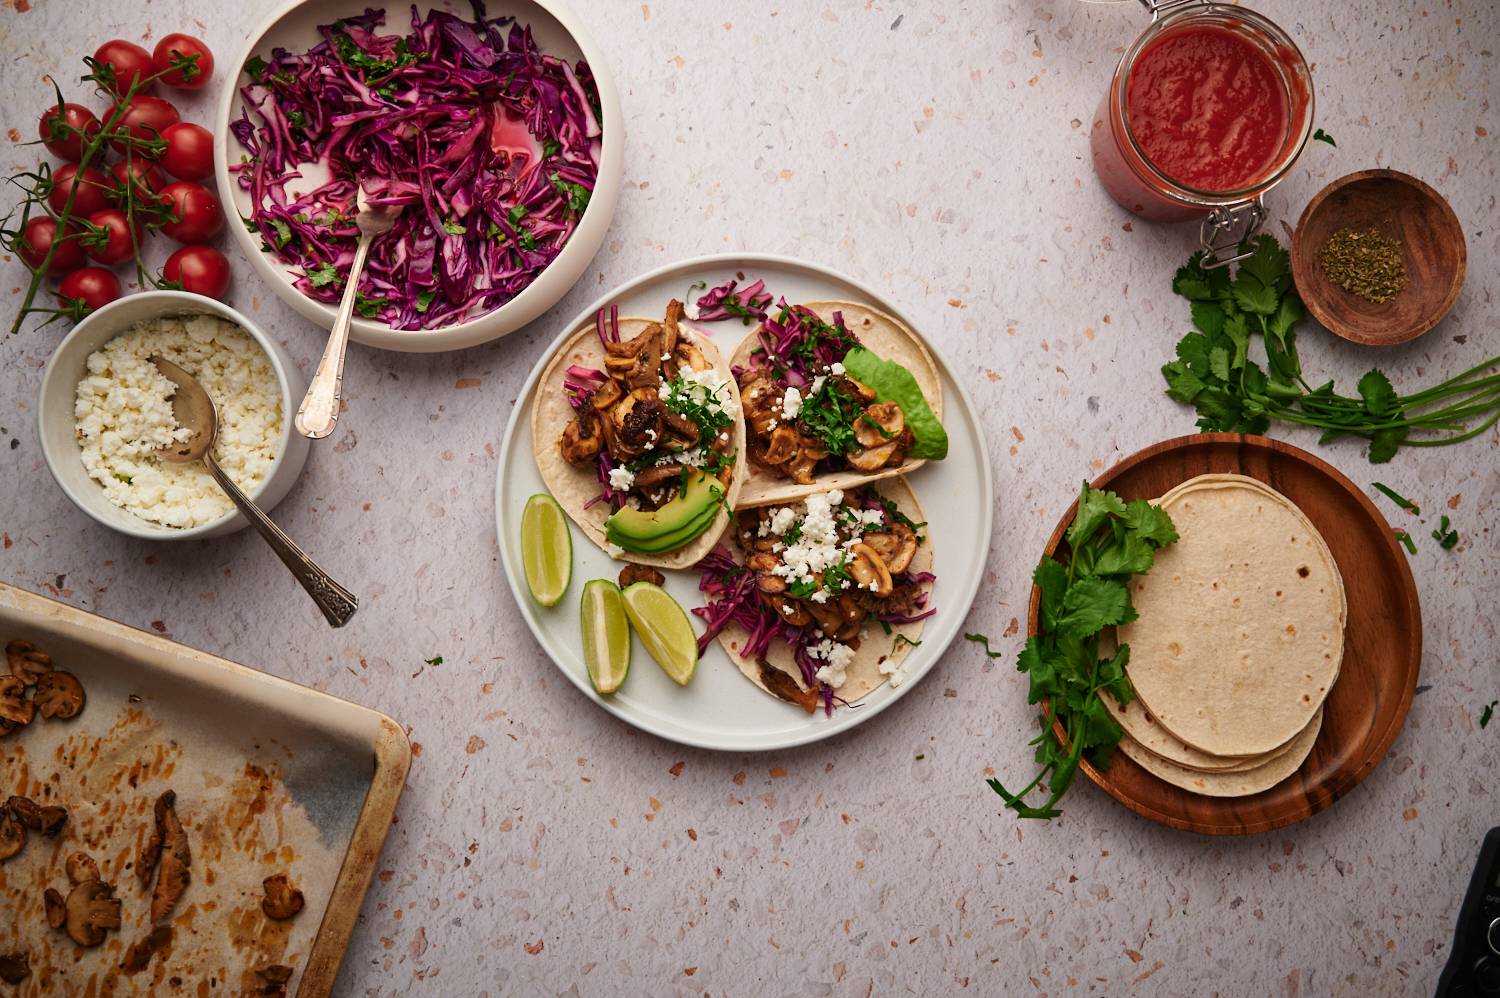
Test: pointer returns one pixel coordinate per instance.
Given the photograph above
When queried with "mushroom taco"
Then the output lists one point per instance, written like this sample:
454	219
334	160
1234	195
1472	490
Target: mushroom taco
835	394
827	594
637	433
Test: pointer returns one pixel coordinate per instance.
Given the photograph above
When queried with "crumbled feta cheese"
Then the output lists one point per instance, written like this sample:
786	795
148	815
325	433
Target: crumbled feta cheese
817	385
838	656
690	309
791	402
123	416
666	357
782	519
836	368
621	478
707	387
817	548
895	670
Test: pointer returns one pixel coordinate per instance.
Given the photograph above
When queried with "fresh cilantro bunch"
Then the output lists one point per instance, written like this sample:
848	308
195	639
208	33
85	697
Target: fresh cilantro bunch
1109	541
1231	392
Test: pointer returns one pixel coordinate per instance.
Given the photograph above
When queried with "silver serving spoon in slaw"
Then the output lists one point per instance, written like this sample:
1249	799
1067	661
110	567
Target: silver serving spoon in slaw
319	411
194	410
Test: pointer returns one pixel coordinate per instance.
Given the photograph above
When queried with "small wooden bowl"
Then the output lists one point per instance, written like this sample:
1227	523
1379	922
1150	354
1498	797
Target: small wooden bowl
1403	208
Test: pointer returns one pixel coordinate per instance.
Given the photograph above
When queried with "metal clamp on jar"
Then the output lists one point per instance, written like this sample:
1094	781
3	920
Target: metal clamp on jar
1206	112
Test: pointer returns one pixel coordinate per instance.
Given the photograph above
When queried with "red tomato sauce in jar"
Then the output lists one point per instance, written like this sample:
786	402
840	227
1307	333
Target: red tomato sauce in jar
1208	108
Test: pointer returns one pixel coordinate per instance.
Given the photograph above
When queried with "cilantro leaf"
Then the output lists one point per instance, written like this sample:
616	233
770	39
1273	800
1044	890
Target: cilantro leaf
1380	398
1095	506
1321	136
322	275
1093	604
1152	523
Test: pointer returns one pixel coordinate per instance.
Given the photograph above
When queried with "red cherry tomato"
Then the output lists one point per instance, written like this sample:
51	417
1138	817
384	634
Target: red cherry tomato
95	287
178	47
145	117
129	61
142	175
117	246
92	194
202	270
54	131
36	239
196	214
190	151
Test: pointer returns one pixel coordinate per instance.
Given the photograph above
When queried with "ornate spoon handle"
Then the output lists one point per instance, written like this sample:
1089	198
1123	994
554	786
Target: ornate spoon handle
337	603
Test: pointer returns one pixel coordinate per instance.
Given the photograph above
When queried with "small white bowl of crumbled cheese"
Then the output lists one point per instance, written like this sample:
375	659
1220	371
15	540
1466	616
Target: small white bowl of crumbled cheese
106	411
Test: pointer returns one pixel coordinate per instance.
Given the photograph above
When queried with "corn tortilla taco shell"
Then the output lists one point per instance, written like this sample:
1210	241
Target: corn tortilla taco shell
1230	784
1240	631
1141	727
884	336
574	486
876	648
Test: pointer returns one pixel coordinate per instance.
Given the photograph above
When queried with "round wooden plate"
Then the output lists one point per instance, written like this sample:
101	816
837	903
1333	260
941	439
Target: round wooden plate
1401	207
1382	640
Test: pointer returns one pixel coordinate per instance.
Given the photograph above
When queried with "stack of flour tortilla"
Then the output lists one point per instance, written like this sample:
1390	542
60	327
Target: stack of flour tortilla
1238	641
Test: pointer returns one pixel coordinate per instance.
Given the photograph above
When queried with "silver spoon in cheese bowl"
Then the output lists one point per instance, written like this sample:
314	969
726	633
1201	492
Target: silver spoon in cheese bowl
194	411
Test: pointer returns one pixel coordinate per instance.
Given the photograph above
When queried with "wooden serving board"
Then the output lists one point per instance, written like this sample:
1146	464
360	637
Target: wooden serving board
1382	640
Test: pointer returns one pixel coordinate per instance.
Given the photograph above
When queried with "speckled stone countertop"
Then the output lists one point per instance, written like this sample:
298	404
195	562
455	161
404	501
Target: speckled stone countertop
940	151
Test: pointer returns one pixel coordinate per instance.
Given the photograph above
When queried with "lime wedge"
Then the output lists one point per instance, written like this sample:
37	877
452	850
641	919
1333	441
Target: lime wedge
606	635
664	629
546	549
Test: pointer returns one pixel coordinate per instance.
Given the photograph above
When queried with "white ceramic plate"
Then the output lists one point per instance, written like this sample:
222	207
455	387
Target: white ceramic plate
558	32
720	708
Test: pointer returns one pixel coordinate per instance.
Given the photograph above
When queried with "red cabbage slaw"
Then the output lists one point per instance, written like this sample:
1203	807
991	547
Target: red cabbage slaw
492	147
733	598
579	383
796	346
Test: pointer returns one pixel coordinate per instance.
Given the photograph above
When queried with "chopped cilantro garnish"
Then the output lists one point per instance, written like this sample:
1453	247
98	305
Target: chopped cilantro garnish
1446	537
424	301
369	307
454	228
526	239
255	68
322	275
551	148
576	195
516	213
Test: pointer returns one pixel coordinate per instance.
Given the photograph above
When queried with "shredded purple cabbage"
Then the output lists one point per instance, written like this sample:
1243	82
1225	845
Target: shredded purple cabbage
723	302
797	345
491	147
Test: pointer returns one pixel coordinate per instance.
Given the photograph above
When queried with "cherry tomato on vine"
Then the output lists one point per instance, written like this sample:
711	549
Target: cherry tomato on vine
117	246
92	194
36	239
145	179
190	151
145	117
192	76
95	287
202	270
53	127
129	61
196	214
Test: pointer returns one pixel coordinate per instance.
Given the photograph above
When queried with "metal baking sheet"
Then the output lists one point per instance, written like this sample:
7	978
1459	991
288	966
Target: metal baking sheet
271	777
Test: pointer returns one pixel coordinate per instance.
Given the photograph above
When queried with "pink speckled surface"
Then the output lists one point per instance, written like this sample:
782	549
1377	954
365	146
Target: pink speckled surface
938	150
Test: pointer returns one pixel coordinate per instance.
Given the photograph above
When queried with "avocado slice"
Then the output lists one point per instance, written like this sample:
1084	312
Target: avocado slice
687	515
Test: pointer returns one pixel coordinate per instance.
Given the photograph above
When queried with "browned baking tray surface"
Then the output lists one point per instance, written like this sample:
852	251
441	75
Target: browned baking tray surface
271	777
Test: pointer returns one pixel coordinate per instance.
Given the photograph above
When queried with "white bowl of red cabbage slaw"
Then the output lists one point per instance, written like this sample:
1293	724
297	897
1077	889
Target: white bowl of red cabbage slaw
498	130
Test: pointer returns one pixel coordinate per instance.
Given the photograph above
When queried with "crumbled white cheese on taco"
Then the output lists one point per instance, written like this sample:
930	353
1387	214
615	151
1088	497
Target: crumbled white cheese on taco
791	402
838	656
621	478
